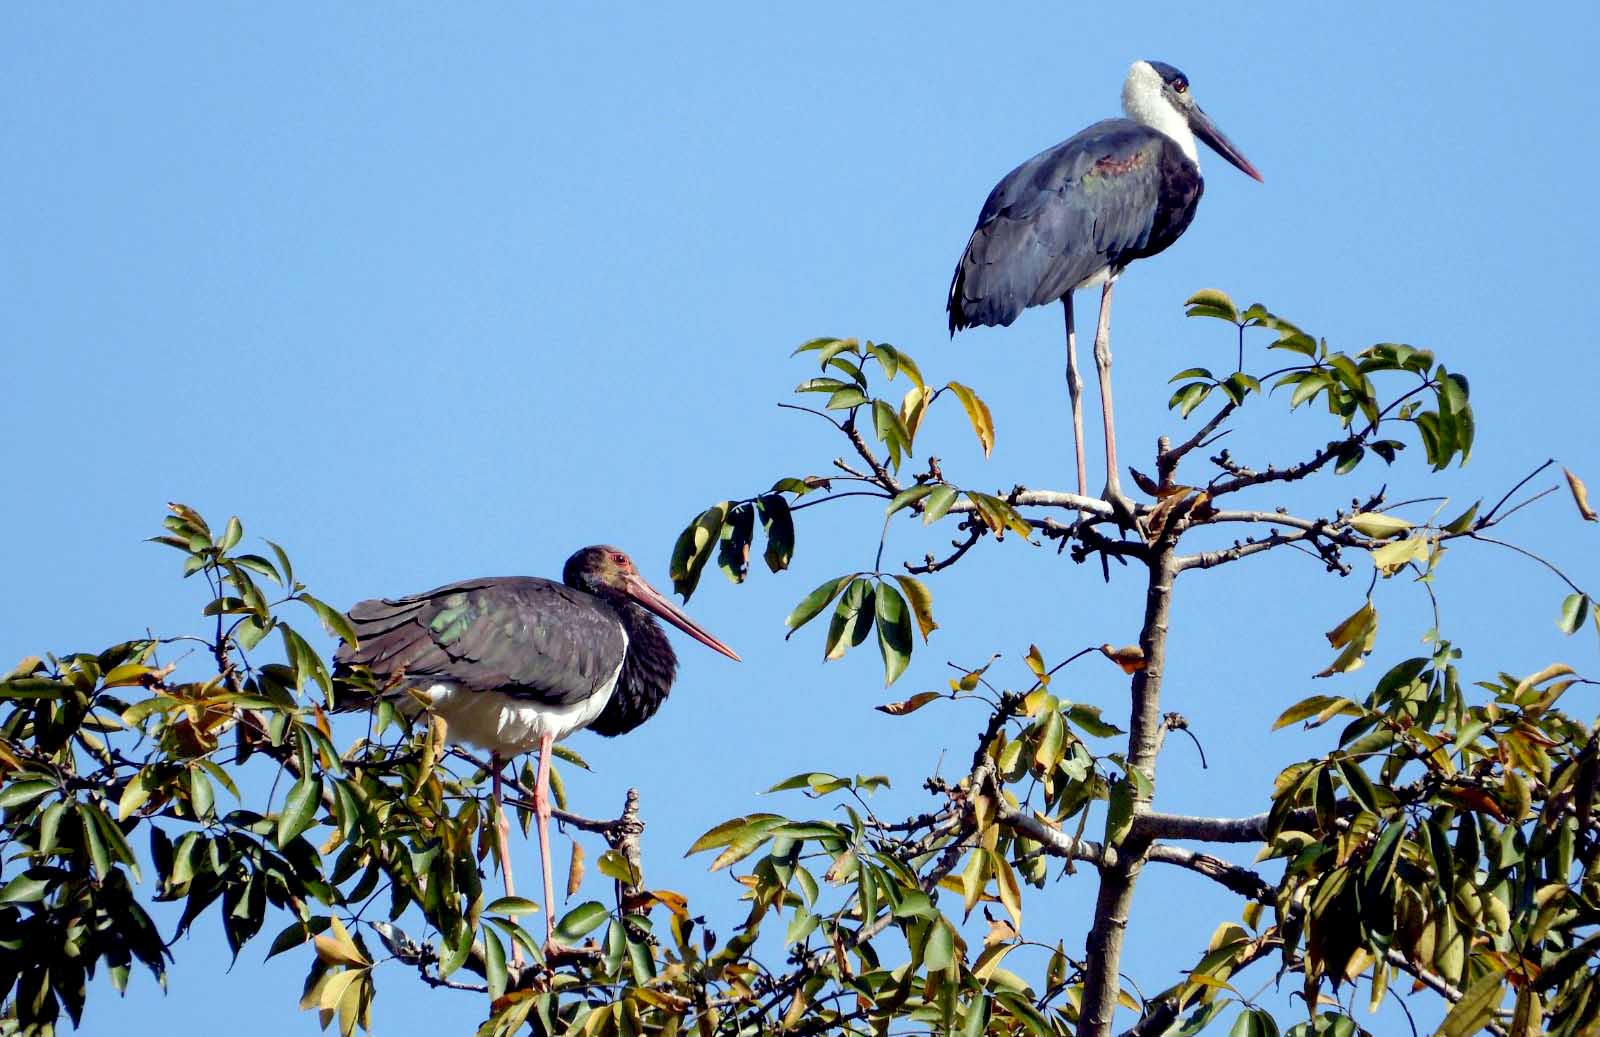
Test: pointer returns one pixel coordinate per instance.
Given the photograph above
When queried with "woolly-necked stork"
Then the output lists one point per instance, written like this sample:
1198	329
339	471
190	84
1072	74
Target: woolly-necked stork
514	663
1074	216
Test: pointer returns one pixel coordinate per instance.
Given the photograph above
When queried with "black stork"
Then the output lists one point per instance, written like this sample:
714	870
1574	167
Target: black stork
1076	215
515	663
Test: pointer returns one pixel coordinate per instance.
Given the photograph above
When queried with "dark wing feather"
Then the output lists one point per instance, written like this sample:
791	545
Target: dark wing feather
519	635
1088	203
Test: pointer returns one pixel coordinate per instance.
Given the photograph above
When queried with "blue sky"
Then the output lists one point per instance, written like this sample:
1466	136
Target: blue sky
427	294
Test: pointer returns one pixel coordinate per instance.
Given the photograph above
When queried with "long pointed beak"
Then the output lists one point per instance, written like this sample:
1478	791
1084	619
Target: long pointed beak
1207	131
656	602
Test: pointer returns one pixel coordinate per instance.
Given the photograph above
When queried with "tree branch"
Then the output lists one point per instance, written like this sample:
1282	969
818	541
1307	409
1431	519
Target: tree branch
1104	945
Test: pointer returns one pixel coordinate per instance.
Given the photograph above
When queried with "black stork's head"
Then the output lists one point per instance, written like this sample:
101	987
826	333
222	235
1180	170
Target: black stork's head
1158	96
607	573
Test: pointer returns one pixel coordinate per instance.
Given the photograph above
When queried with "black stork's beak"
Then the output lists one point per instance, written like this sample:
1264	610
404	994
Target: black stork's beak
656	602
1207	131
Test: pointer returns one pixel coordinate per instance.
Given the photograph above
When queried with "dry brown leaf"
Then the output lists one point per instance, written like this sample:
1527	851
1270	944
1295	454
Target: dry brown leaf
575	870
1580	496
1129	657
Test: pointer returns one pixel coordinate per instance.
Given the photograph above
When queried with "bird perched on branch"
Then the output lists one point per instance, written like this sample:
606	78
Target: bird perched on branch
1076	215
516	663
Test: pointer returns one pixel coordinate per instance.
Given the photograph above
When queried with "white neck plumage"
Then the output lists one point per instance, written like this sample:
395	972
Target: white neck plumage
1145	102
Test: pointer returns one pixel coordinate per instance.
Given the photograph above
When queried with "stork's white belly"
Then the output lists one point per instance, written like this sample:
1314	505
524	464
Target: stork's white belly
507	725
1099	277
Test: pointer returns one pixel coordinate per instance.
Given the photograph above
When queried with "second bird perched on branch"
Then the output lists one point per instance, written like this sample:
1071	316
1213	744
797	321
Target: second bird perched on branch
1076	215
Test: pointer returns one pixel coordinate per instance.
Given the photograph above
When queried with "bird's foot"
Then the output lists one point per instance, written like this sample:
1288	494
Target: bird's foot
1123	510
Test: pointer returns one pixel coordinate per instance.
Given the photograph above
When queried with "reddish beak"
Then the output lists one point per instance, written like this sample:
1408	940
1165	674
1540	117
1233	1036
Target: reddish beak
656	602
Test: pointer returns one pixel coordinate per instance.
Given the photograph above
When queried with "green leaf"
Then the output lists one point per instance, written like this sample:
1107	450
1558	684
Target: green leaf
978	414
894	632
909	496
494	962
921	600
1468	1016
828	385
847	398
1209	302
1254	1022
1462	522
832	348
940	951
814	603
891	431
1574	610
939	502
733	554
1296	342
693	548
334	621
888	356
283	564
852	619
817	343
1193	372
93	841
24	889
511	906
819	782
777	522
1188	397
22	791
299	807
232	535
581	920
1308	388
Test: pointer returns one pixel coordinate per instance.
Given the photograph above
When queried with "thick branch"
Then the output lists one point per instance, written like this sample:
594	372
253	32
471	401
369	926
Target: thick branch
1153	825
1057	843
1104	946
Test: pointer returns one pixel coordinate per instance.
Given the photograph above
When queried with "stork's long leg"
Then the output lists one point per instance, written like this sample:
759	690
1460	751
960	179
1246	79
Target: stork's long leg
502	846
541	810
1102	359
1075	391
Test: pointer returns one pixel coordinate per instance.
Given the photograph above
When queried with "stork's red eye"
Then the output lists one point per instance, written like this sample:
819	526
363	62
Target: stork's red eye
1180	86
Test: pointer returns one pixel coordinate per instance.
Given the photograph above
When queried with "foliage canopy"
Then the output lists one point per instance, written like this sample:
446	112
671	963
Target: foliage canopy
1446	837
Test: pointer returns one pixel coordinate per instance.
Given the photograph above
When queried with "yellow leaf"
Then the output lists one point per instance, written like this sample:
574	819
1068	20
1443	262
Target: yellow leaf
1580	496
913	407
1355	635
333	990
1036	664
921	601
338	949
1005	881
1201	979
1393	556
978	414
973	878
1377	525
990	959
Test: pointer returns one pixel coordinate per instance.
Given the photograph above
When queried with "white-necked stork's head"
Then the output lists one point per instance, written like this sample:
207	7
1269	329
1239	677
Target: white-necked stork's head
1157	95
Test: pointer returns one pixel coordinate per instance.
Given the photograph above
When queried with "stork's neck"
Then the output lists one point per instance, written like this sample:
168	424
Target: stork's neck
648	669
1145	103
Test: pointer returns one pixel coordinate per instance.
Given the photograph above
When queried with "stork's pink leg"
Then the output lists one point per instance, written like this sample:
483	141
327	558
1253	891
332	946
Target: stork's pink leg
1075	391
502	842
1102	359
541	809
